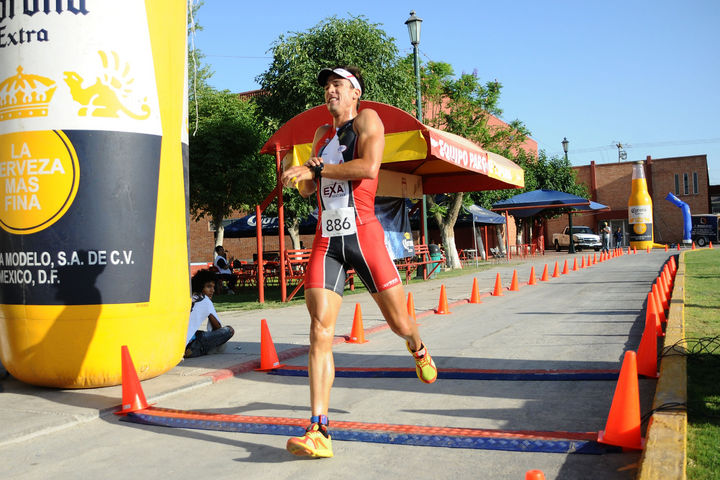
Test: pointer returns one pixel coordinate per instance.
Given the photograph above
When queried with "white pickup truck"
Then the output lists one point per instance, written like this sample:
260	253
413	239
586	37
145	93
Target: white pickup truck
583	237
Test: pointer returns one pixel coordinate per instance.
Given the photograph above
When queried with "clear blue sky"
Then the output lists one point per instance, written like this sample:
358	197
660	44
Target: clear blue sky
645	73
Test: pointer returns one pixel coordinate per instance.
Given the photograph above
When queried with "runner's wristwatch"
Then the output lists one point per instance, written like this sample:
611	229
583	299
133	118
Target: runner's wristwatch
317	169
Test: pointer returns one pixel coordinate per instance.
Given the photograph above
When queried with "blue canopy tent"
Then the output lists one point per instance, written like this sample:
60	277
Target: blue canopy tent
482	215
531	203
247	226
485	217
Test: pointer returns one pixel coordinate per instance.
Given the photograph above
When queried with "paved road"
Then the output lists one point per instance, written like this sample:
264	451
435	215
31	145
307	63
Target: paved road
583	320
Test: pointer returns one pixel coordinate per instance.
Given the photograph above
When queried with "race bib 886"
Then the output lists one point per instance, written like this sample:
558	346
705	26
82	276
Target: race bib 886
338	222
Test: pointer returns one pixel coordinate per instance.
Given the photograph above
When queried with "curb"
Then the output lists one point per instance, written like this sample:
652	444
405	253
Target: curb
665	450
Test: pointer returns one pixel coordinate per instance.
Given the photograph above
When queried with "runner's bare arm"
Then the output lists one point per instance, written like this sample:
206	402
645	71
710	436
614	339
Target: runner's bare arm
370	142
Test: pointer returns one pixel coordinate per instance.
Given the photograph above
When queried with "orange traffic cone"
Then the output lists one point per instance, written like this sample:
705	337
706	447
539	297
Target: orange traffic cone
475	294
662	289
556	271
133	397
658	303
514	287
652	314
268	355
668	278
531	280
565	270
582	262
601	258
673	265
634	251
575	265
357	335
666	248
545	277
442	305
411	307
629	251
678	247
647	351
693	246
710	245
497	291
623	423
594	258
534	475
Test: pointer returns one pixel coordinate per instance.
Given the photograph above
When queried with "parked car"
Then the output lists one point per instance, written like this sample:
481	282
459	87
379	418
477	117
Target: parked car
583	237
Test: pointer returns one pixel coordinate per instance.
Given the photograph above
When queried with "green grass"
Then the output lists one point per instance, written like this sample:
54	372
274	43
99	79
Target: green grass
246	298
702	319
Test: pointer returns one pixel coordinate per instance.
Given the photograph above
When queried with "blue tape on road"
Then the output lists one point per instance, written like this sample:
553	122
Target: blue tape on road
455	375
448	441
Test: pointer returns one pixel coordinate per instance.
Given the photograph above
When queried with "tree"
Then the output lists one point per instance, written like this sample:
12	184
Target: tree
463	106
226	170
291	79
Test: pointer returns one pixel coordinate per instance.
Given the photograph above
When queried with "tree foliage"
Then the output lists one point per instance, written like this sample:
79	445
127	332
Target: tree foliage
297	57
226	170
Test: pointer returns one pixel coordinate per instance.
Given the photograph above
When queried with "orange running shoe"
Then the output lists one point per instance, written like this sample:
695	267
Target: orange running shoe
424	365
315	443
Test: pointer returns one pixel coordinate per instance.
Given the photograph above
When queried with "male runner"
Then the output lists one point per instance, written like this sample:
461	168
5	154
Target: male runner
344	172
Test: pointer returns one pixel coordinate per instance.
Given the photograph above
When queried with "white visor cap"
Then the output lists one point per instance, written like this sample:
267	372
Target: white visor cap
326	72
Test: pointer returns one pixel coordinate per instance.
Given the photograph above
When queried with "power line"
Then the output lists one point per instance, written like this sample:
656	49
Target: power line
629	146
235	56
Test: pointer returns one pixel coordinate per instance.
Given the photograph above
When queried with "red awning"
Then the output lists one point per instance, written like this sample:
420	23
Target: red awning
446	163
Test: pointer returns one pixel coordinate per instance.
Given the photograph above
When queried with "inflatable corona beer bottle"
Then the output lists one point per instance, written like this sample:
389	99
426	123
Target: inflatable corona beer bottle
640	216
93	246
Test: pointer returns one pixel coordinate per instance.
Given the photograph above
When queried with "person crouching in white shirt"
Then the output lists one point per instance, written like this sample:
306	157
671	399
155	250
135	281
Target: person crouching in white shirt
213	340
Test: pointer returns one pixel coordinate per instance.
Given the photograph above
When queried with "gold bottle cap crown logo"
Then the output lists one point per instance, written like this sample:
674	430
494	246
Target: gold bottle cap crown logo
25	96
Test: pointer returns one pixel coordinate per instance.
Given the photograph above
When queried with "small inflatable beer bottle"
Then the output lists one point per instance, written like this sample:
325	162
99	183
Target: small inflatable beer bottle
93	246
640	216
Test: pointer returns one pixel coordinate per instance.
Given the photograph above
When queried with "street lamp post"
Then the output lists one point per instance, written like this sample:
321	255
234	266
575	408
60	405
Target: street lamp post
571	248
413	24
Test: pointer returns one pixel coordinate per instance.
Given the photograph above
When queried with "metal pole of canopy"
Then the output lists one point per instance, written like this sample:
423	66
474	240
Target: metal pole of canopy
571	248
281	222
507	236
260	264
475	245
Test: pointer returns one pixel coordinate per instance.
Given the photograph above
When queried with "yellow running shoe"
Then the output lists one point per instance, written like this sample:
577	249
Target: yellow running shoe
314	443
424	365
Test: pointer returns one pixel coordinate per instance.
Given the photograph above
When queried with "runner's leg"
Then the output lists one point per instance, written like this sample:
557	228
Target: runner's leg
323	306
393	307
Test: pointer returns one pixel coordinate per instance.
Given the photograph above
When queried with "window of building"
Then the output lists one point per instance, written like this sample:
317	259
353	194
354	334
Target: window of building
677	184
686	186
695	183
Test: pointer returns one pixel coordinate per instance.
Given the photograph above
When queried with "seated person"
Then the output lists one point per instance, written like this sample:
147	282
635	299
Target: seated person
222	263
213	340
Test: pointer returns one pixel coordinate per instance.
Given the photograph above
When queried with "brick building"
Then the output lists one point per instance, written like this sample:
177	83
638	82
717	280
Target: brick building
610	184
